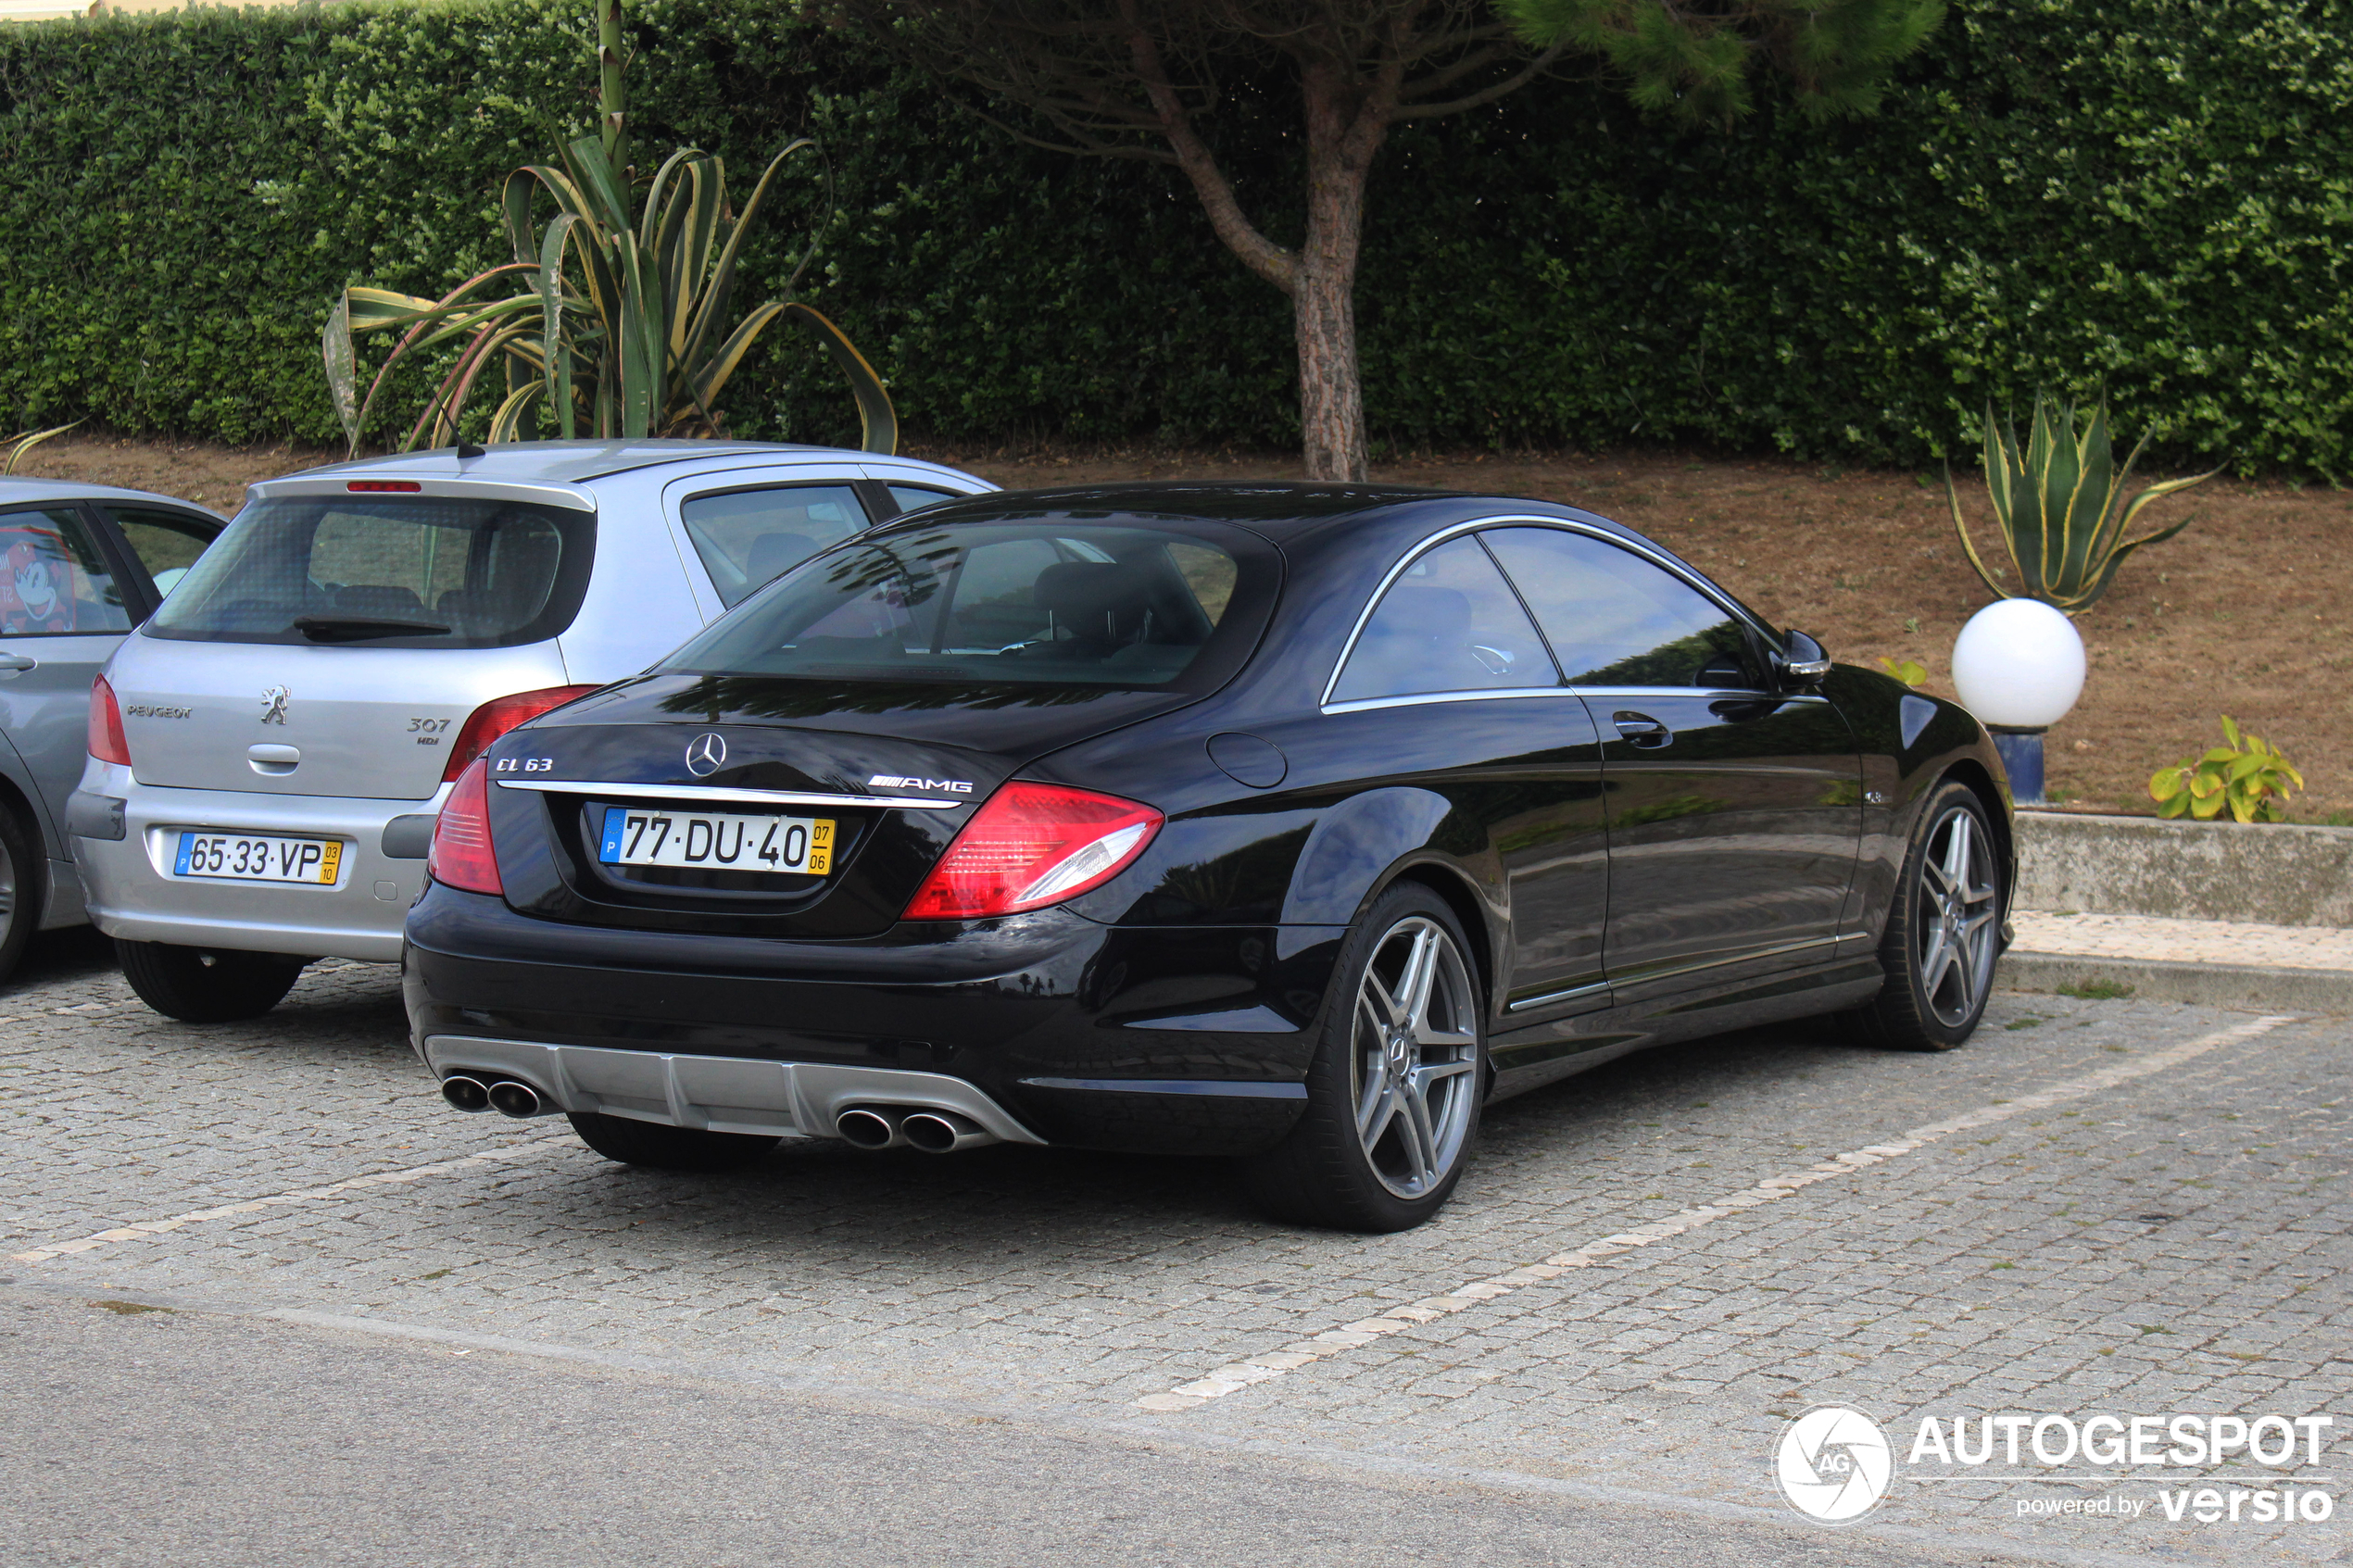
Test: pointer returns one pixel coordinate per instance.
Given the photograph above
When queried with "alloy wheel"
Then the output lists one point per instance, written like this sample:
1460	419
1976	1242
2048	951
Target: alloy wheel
1954	944
7	889
1414	1057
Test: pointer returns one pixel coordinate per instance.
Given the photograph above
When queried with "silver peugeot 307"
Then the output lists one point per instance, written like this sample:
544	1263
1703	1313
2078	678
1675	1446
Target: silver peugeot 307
268	752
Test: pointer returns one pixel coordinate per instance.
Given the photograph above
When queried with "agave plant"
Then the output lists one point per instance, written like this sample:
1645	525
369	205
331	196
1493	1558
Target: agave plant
17	446
614	322
2056	502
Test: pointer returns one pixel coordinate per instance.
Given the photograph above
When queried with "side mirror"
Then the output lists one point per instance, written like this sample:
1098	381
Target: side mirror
1803	660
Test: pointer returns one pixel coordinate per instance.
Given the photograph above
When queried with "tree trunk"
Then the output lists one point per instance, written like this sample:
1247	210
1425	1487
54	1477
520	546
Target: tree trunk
1343	133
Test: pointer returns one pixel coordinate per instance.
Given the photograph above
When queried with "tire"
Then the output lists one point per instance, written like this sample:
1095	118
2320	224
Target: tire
23	882
1943	931
1364	1157
207	984
631	1142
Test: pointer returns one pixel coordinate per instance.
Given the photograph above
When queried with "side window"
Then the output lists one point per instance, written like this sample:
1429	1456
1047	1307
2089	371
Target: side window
747	538
910	497
1615	620
166	543
54	581
1448	623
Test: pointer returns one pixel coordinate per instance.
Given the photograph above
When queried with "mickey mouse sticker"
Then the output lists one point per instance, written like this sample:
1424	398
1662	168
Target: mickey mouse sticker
36	586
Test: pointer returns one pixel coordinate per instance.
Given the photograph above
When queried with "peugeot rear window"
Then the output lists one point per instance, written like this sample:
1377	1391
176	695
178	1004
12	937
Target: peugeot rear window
386	571
1036	602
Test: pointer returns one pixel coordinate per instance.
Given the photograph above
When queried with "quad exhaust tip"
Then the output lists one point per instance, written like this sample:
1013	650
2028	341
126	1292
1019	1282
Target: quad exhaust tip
518	1101
943	1131
891	1126
466	1094
870	1127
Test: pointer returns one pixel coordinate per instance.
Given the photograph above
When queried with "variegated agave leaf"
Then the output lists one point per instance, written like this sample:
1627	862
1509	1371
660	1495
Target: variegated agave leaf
2055	502
621	322
25	441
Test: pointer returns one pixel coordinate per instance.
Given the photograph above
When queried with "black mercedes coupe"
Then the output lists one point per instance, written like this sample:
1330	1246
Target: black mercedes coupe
1289	823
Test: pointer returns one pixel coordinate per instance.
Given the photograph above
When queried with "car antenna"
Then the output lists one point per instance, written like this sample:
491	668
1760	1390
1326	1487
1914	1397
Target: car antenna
468	450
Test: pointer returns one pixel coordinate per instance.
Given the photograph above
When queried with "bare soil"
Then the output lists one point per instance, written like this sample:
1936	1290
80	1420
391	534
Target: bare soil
2248	613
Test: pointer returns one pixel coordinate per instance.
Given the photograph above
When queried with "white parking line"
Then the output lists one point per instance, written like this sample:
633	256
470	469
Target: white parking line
145	1228
1270	1364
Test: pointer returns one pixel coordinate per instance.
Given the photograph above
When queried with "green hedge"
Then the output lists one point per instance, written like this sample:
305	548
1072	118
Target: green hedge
2147	195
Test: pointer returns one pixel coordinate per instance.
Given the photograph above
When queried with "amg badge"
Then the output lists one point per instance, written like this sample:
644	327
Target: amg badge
941	786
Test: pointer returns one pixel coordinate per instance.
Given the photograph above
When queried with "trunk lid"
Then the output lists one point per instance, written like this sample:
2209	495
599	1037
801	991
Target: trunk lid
867	753
323	720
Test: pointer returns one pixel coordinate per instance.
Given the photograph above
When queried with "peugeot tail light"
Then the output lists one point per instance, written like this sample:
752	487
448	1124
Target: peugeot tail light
107	743
495	718
461	854
1031	844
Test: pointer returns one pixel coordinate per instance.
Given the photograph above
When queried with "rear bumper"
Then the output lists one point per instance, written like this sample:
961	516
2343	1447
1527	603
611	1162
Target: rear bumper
128	894
1168	1041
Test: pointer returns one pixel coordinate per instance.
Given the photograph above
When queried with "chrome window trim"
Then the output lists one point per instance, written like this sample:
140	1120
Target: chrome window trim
1566	525
1414	700
1716	694
723	795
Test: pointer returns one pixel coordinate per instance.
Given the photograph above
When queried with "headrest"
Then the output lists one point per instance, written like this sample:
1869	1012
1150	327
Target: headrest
1440	614
773	555
1096	600
372	598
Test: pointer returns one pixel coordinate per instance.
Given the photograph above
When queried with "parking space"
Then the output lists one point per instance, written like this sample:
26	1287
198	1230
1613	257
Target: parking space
2097	1206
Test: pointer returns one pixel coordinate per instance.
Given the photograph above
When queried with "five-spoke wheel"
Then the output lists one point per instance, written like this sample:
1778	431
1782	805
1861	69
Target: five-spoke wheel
1394	1096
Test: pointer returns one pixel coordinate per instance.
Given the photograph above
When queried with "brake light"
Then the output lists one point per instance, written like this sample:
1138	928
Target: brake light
1031	844
107	743
461	854
397	486
498	716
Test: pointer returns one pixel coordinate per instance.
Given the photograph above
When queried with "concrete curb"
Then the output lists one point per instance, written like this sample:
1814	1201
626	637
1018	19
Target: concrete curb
2271	873
2319	990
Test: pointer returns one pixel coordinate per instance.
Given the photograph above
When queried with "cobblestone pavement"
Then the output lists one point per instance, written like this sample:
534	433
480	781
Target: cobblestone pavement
2124	1207
2182	941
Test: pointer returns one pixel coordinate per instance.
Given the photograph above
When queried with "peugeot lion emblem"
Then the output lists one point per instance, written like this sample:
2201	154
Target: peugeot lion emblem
705	755
273	705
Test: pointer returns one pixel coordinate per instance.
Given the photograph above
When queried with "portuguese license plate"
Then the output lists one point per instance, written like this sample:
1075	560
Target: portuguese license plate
251	857
717	841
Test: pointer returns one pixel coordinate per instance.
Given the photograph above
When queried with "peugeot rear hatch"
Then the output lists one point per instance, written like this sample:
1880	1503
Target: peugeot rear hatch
336	644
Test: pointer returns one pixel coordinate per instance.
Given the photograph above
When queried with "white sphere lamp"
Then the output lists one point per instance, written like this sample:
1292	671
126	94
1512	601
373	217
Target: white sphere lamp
2019	666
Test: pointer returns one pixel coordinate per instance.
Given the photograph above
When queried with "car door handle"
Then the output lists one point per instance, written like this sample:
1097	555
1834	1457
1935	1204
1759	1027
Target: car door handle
1640	729
15	664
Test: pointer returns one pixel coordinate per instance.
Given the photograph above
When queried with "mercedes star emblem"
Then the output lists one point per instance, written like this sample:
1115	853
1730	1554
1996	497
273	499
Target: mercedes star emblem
706	755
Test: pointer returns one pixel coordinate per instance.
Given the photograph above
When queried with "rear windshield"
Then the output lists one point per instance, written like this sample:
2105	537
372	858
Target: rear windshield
1035	602
386	571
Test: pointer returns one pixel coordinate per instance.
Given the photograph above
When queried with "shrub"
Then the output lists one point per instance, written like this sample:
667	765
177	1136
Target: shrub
2249	776
2150	196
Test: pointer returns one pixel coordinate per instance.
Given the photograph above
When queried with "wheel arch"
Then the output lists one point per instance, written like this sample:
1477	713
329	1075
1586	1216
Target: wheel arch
1972	774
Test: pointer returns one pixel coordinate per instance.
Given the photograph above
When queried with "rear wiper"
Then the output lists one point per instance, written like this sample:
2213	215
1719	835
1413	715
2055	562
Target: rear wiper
360	628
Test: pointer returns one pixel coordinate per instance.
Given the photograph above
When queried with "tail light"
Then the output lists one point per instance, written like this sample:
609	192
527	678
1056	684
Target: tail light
498	716
461	854
107	743
1031	844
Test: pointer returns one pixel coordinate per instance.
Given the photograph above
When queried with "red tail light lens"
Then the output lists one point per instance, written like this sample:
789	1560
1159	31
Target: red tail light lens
461	854
107	743
498	716
395	486
1031	844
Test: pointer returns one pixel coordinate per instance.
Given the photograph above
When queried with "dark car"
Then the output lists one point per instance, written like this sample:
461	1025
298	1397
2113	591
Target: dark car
1290	823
